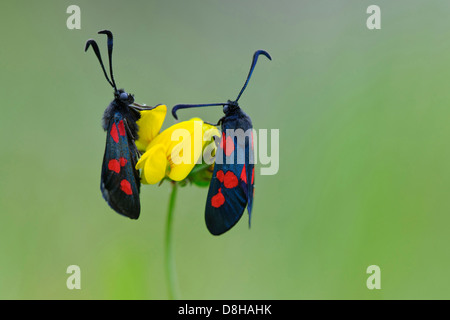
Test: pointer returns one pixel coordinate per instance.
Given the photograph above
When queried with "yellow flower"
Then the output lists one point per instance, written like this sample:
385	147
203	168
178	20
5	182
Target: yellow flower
150	124
173	152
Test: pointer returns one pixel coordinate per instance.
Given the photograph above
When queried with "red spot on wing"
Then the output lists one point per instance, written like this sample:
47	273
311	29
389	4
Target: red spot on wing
114	133
220	175
125	186
244	174
229	146
218	200
121	128
221	141
123	161
230	180
253	175
114	165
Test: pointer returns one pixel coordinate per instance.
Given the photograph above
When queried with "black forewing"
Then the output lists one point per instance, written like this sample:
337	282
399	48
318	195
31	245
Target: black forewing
231	187
224	207
120	182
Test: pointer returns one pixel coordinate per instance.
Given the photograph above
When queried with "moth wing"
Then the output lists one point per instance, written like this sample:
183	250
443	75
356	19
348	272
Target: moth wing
231	186
225	204
120	181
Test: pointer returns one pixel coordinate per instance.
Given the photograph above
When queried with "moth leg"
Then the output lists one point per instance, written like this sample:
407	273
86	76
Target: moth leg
127	127
216	141
217	124
140	107
135	149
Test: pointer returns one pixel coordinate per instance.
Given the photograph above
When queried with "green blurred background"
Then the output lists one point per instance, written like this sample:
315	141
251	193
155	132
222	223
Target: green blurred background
364	149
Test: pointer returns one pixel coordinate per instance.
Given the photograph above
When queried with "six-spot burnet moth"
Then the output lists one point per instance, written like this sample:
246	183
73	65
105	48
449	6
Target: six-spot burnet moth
232	184
120	181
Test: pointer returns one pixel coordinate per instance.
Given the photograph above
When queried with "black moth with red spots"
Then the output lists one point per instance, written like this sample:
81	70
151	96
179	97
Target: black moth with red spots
232	185
120	181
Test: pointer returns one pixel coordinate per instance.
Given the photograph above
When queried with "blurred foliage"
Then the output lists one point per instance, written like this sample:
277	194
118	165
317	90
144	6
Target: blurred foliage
364	157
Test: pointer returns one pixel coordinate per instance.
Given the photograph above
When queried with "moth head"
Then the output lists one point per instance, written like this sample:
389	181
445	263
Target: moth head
230	107
124	96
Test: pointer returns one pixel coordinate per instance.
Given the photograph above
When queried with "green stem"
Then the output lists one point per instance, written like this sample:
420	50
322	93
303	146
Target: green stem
170	261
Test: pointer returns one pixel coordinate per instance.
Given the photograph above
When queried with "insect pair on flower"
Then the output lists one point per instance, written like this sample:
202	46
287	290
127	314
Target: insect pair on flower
134	142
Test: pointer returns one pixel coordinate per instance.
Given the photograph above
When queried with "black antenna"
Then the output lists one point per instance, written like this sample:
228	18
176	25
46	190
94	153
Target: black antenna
110	49
94	45
187	106
255	59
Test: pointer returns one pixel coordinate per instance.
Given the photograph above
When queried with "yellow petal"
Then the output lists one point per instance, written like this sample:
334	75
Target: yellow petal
153	164
150	124
209	131
166	137
197	129
182	156
142	159
177	143
180	172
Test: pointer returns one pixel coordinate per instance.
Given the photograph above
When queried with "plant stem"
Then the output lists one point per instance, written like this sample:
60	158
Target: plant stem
170	261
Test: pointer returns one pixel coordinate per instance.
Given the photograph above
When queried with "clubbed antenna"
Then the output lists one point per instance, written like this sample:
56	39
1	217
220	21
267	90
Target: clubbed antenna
187	106
255	59
93	44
